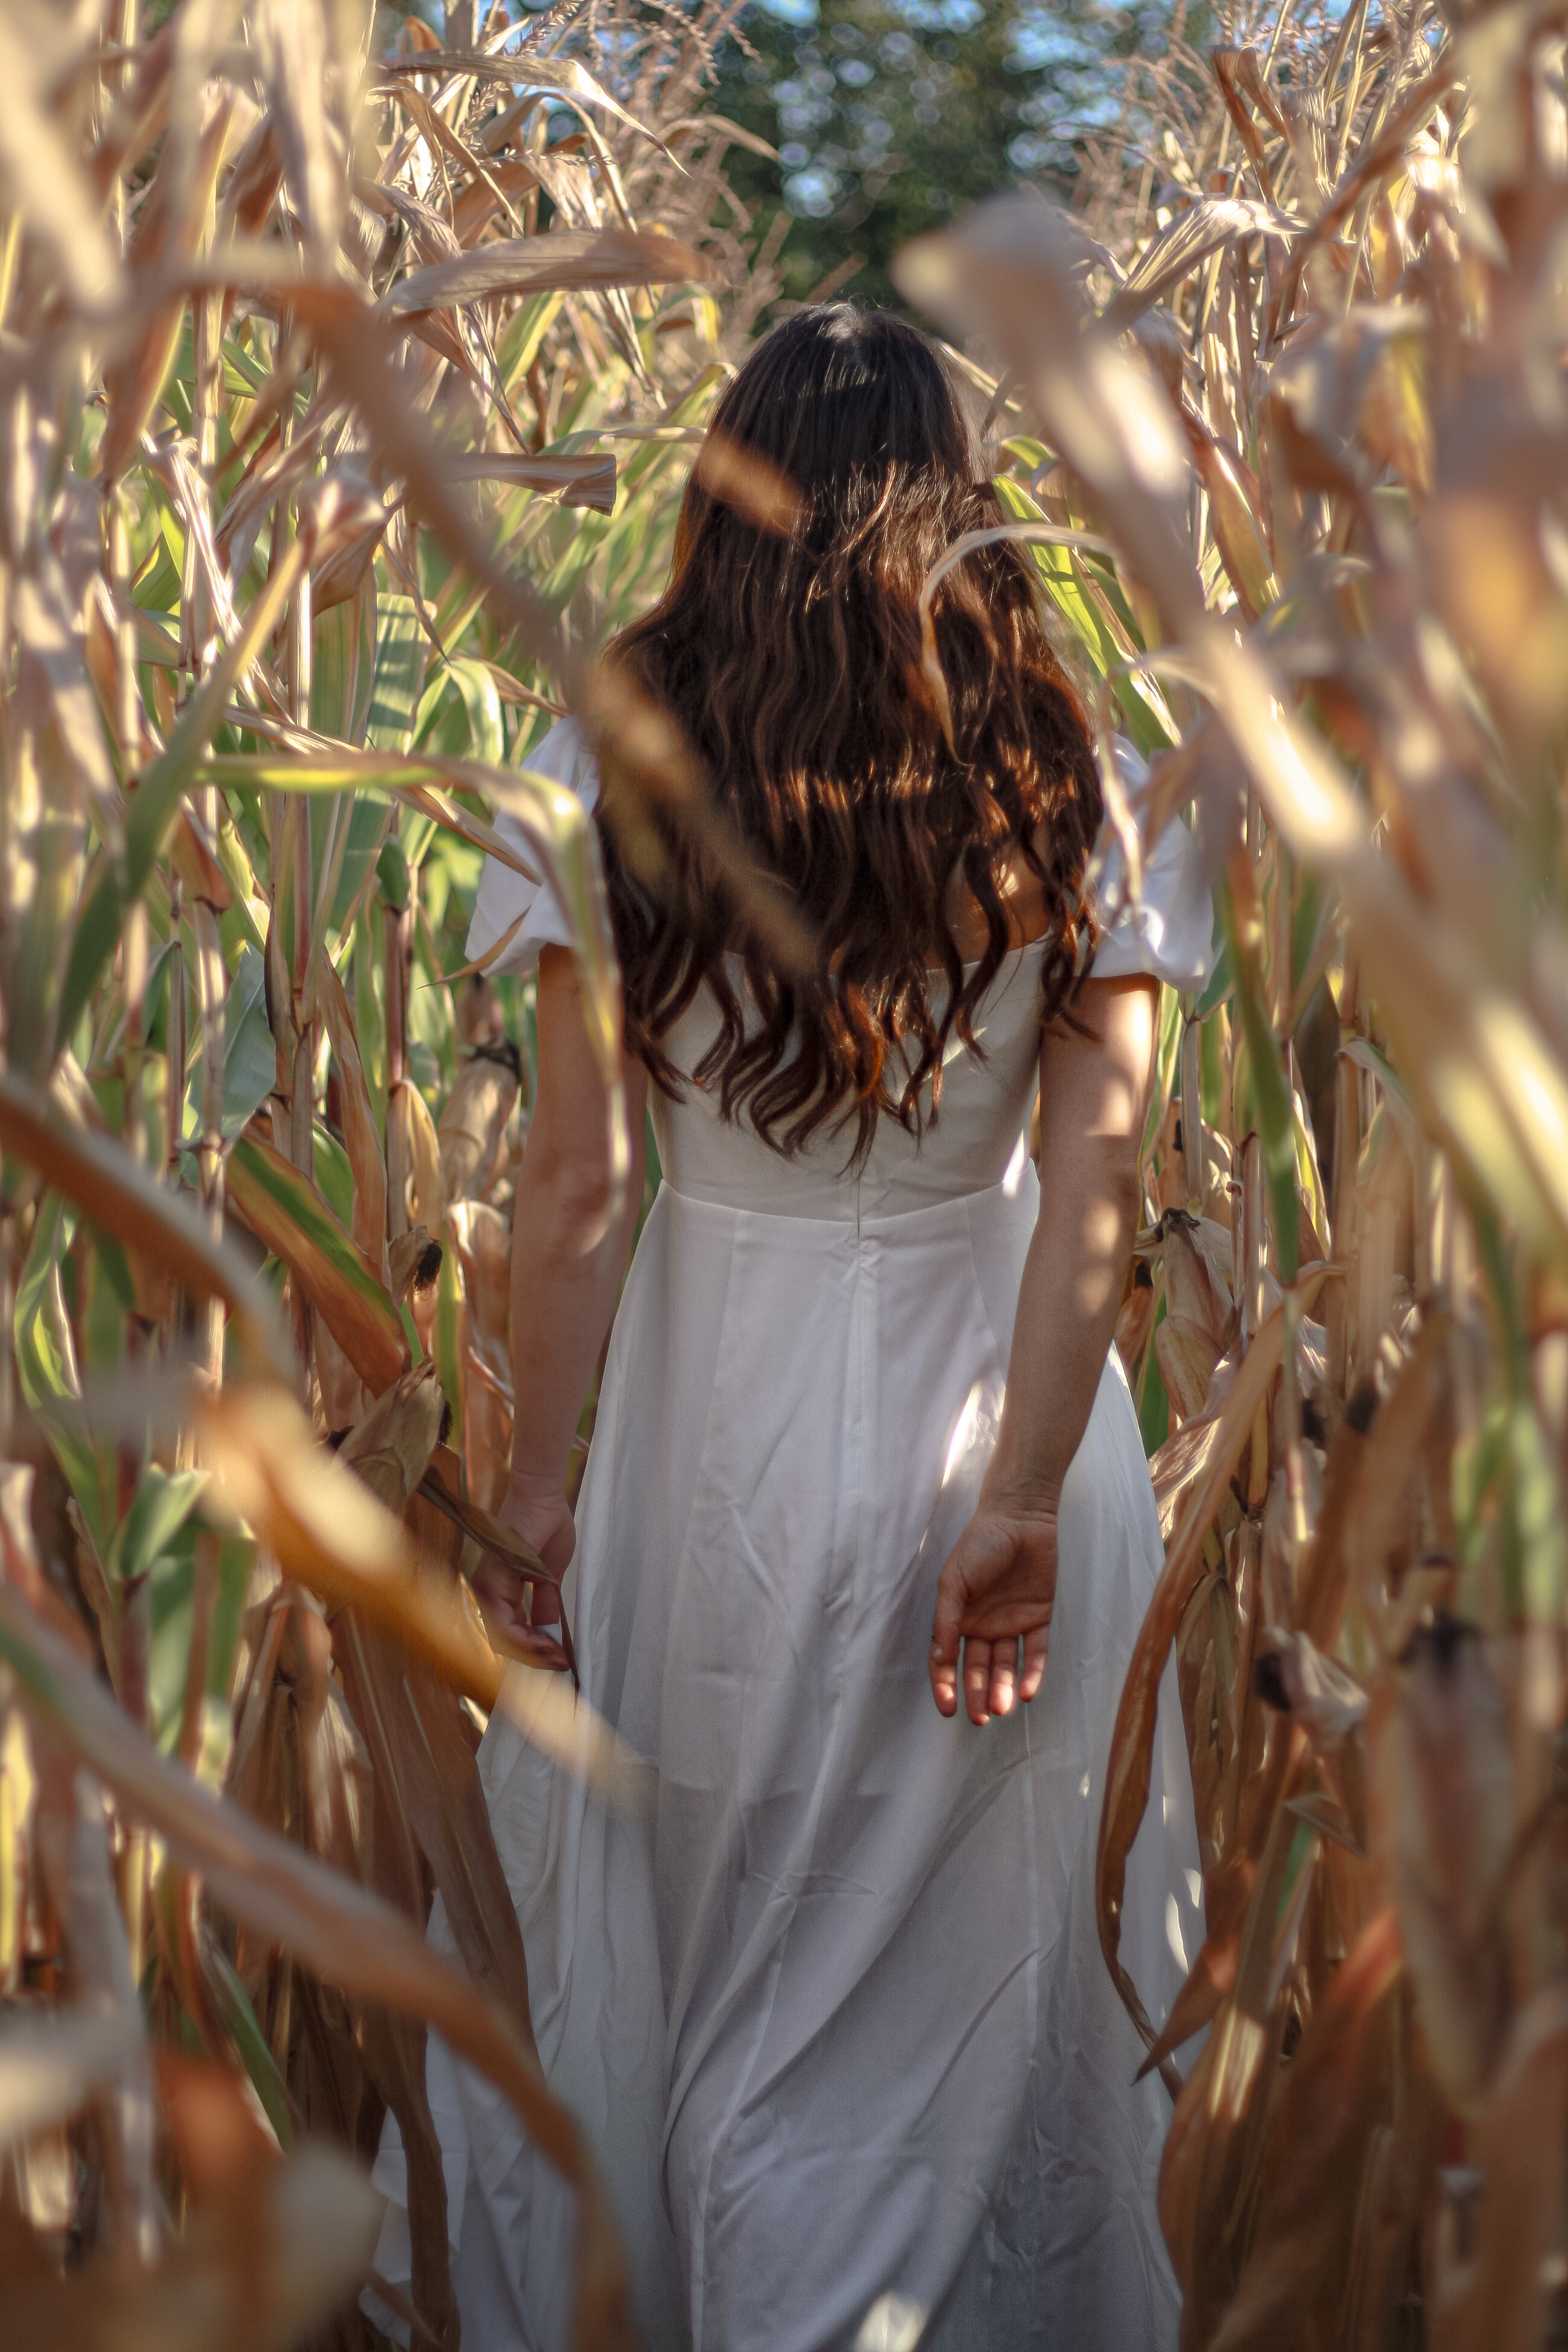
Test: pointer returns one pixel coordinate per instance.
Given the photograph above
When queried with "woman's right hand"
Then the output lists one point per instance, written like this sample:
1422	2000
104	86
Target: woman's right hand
543	1518
999	1584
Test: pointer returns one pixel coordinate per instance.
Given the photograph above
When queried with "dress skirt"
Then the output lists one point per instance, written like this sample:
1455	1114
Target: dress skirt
831	2007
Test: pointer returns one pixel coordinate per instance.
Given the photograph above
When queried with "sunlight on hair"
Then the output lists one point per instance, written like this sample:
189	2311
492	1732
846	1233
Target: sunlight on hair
760	492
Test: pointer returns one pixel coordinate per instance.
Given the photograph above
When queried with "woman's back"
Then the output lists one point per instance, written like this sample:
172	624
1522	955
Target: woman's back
976	1140
978	1137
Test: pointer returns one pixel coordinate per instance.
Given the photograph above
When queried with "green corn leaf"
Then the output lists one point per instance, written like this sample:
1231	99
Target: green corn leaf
46	1368
1153	1403
284	1209
343	671
234	2003
1537	1509
160	1508
367	823
481	707
398	675
525	330
1271	1098
250	1060
159	794
334	1176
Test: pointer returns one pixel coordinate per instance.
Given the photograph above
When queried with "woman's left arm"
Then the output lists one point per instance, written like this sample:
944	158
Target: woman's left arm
567	1262
999	1583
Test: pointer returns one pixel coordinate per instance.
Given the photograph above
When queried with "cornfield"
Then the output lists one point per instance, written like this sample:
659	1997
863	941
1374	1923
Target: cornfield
327	468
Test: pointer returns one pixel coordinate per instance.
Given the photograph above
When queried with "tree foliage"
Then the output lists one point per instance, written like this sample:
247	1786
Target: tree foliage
891	116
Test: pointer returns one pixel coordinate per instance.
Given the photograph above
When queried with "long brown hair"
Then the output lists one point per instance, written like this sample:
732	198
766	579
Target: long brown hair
790	660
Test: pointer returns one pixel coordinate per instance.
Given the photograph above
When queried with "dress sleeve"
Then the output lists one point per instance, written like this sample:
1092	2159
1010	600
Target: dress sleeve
1168	929
505	897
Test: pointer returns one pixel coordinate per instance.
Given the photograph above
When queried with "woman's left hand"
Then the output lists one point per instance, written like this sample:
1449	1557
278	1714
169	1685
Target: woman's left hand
999	1586
545	1520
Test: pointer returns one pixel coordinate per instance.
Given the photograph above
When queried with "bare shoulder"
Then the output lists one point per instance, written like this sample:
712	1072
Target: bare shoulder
1029	909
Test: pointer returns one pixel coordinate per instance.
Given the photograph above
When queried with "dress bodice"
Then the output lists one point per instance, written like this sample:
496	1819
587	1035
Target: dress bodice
977	1139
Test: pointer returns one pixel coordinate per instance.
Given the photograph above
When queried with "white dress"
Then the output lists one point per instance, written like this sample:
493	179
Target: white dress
834	2015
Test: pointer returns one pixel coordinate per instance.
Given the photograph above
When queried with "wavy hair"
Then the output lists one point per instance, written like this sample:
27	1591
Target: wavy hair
790	659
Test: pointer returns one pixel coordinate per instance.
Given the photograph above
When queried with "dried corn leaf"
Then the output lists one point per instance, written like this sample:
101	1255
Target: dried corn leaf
569	259
340	1929
316	2217
329	1533
585	480
43	178
48	2064
390	1449
164	241
1131	1745
1446	1783
1506	2303
1295	2277
473	1119
566	75
1202	229
1186	1355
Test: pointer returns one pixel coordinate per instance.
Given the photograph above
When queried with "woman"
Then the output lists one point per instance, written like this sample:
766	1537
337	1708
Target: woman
834	2015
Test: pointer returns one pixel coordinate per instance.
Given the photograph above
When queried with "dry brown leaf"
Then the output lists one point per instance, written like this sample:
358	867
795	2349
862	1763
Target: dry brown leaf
1132	1746
1295	2277
1390	1456
262	2267
472	1124
570	260
1504	2303
390	1449
1182	1457
1187	1355
1445	1787
412	1161
337	1927
165	242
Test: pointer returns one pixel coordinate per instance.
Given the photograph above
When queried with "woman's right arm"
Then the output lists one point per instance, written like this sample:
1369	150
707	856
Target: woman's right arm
567	1263
999	1583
